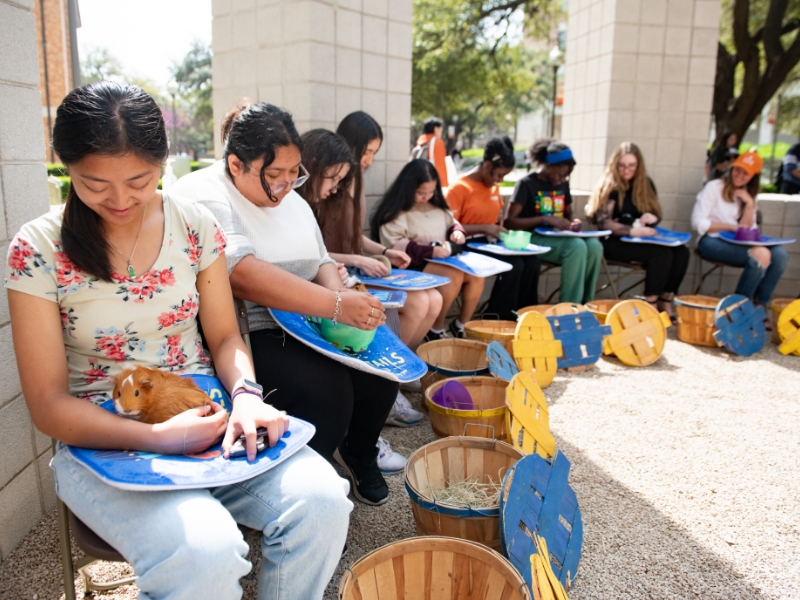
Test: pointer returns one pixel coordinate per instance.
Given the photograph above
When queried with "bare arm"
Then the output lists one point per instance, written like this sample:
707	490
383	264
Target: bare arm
36	327
328	277
515	222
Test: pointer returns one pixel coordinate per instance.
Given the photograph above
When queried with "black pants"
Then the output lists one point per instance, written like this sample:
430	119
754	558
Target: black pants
789	188
516	288
665	266
336	399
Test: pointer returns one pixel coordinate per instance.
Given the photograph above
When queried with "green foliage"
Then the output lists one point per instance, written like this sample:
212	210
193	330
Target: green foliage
56	169
193	78
469	60
765	150
99	65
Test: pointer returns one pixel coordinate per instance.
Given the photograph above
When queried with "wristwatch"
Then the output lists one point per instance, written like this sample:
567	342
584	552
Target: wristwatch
245	385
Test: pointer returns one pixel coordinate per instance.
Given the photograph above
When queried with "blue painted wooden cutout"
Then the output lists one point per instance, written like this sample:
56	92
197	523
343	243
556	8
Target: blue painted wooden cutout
536	498
581	337
500	363
740	325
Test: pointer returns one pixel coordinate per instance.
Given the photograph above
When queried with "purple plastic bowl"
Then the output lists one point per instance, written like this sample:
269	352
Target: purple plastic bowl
743	234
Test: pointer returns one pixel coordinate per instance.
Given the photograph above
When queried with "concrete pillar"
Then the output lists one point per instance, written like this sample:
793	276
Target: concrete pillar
320	60
642	70
26	482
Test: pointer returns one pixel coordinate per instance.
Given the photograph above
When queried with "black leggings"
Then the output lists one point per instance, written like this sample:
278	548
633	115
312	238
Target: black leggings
516	288
665	266
336	399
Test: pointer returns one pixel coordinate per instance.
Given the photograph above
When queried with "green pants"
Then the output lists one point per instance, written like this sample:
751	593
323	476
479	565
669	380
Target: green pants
580	260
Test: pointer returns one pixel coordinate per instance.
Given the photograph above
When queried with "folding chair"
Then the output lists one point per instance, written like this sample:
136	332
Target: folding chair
632	269
548	266
92	545
701	275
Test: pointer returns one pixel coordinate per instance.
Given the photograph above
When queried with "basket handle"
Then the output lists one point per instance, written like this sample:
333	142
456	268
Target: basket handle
495	316
463	433
345	578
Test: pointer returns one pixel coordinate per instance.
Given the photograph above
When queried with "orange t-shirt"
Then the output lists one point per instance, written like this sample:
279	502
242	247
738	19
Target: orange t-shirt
473	203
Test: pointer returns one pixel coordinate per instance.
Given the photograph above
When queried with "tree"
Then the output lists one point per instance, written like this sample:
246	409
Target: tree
99	65
758	49
193	79
469	60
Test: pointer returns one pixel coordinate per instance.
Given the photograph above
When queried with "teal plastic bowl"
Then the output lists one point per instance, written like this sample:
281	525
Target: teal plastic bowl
346	338
516	240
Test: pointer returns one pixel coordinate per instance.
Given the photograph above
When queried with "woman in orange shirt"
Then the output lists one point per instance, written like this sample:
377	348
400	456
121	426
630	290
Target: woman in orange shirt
476	204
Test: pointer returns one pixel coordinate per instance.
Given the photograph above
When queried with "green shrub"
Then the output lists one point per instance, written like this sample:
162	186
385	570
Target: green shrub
56	169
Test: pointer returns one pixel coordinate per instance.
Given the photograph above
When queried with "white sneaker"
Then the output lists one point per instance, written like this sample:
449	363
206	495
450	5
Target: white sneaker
389	462
402	414
412	386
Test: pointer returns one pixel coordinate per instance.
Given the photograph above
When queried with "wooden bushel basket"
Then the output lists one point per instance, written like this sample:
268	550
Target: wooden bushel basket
452	357
487	330
696	319
453	460
432	568
601	308
540	308
488	395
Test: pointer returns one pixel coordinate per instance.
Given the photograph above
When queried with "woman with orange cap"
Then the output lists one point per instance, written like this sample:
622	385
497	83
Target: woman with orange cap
729	204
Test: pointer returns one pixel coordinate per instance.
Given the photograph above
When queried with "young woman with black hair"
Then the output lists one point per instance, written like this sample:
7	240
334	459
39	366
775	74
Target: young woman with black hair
346	242
542	198
331	167
625	201
476	203
122	276
412	216
269	225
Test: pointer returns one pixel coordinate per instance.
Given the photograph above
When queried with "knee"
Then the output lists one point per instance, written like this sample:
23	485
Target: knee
417	303
762	255
434	302
577	249
780	257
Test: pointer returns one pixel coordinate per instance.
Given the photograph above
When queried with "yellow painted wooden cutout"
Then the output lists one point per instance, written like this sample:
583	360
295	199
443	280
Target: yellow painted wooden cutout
527	417
535	348
544	579
565	308
789	329
638	332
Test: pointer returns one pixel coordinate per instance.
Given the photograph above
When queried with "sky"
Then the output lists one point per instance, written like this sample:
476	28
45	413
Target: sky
146	36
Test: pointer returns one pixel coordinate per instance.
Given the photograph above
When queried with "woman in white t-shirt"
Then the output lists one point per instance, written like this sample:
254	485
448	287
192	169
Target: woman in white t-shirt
269	226
121	276
727	204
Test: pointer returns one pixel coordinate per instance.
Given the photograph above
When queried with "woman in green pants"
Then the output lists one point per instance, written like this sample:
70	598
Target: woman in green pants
542	199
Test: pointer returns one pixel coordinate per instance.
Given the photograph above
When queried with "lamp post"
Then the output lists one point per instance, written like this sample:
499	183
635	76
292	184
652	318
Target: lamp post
555	62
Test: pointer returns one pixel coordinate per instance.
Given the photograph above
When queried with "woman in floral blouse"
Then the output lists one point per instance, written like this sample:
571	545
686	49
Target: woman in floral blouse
122	275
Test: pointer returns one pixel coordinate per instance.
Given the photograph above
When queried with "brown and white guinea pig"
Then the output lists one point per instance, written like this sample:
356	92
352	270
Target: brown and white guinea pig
154	396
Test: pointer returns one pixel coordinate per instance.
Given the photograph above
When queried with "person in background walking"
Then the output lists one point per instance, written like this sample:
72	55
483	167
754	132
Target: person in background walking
430	146
791	171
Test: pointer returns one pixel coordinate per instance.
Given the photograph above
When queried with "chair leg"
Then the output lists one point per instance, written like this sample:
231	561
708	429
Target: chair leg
66	551
90	585
611	282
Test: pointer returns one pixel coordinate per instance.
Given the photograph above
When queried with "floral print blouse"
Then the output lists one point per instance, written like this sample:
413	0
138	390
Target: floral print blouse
150	319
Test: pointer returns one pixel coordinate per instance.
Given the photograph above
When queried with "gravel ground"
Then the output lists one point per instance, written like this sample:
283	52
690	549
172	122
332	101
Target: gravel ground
686	472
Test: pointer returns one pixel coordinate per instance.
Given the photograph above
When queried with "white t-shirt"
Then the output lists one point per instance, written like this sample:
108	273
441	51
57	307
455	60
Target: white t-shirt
711	207
149	320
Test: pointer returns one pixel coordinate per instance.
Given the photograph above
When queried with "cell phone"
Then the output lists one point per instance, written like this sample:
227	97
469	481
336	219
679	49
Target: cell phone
239	447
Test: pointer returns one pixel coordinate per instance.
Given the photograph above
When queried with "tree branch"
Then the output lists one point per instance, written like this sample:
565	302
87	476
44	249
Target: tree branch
772	28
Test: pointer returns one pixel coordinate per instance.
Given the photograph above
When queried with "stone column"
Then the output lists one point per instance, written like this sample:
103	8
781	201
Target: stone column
643	71
27	489
321	60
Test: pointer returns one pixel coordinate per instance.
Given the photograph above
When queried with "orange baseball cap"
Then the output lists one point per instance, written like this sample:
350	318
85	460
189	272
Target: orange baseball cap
750	162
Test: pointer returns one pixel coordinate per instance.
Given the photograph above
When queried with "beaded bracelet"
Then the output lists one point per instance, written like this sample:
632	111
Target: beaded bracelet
385	250
337	309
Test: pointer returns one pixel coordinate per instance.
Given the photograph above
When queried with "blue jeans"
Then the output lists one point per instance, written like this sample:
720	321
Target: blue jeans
756	282
186	545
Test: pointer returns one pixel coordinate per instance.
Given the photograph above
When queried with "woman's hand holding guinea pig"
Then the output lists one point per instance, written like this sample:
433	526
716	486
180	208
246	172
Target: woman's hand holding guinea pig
441	251
558	222
372	267
248	414
648	219
191	431
457	237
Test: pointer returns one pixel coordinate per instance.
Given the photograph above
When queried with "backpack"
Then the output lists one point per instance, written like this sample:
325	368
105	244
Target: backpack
424	151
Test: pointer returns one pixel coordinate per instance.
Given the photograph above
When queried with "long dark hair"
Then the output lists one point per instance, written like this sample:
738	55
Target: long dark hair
113	119
323	149
253	131
400	195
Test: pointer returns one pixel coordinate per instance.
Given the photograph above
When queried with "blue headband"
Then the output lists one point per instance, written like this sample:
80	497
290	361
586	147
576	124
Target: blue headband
559	157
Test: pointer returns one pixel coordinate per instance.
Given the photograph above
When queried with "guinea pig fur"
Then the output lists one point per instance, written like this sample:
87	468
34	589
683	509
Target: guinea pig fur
154	396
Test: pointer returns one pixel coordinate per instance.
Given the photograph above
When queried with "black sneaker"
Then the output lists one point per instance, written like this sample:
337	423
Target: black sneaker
432	336
369	486
455	331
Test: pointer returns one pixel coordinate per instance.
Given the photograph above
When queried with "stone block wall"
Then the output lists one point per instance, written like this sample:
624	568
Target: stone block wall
320	60
27	488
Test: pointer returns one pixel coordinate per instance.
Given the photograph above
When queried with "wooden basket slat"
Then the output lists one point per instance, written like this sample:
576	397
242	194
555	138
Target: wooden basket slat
601	308
488	394
776	308
441	581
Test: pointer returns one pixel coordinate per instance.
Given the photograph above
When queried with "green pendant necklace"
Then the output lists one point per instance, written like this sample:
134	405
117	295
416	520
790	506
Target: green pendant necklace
131	271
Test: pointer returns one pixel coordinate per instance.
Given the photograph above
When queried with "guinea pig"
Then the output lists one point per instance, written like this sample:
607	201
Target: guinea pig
154	396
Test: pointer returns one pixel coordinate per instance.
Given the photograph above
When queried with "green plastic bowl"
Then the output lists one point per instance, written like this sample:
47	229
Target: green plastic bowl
346	338
516	240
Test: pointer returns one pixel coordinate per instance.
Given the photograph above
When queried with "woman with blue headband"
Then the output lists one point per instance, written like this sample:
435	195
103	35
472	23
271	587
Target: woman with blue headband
542	199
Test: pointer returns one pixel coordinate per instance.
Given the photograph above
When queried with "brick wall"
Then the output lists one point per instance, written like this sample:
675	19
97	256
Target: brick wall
26	482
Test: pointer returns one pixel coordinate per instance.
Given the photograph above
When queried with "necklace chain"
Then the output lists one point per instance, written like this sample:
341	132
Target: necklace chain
131	271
